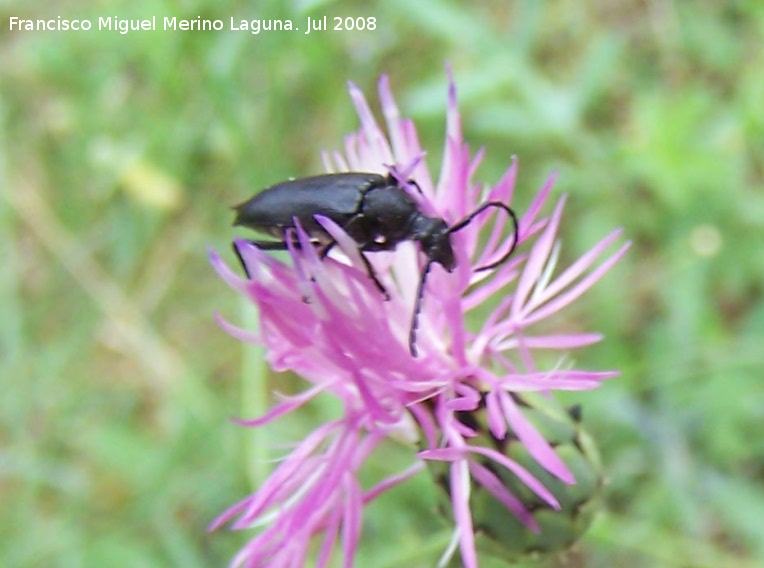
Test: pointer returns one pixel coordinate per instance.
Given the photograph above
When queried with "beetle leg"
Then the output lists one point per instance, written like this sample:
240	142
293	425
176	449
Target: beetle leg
366	263
262	245
241	260
266	245
373	276
279	245
271	245
327	248
415	185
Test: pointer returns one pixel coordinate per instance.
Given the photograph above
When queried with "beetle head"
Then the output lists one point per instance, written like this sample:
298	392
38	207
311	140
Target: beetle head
435	237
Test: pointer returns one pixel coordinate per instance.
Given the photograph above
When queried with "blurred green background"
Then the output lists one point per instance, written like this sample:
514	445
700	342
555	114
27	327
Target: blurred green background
121	154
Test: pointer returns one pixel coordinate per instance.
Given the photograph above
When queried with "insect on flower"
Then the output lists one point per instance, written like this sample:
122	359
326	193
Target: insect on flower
473	407
374	210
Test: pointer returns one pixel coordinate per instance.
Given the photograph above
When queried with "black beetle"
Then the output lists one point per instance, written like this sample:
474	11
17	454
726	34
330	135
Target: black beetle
373	209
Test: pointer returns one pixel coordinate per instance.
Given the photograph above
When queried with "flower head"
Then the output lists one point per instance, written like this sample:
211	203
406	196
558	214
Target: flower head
324	319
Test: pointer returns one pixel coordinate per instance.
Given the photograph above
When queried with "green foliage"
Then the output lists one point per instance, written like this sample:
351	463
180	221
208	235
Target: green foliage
121	153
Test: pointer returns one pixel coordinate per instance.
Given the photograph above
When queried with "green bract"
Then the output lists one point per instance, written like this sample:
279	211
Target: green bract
499	533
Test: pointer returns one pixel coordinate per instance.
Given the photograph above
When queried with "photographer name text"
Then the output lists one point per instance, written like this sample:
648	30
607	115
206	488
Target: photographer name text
167	23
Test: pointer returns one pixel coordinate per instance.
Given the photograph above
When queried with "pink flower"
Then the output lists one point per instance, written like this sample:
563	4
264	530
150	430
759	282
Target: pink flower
325	320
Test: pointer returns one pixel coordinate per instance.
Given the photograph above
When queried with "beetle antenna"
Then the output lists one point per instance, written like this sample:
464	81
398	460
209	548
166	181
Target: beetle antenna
515	233
417	309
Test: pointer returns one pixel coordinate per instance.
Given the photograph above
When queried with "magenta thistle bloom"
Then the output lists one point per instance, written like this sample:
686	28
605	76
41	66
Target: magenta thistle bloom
325	320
